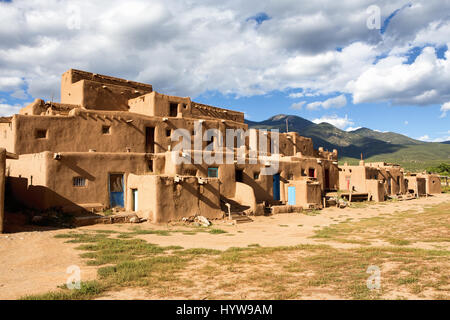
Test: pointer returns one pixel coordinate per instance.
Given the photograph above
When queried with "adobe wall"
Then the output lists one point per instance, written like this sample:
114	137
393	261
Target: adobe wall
2	187
352	177
416	185
161	199
158	104
375	190
7	134
306	192
28	178
432	183
52	180
82	131
393	179
94	91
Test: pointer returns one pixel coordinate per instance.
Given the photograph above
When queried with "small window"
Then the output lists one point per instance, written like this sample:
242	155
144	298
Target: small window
311	173
290	176
106	129
41	134
79	182
213	172
168	133
173	109
190	172
255	175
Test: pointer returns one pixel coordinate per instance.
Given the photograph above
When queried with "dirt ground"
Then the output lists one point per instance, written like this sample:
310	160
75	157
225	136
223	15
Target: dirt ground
35	262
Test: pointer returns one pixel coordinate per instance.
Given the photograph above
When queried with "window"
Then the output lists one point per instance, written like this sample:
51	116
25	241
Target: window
311	173
290	176
213	172
79	182
255	175
106	129
41	134
173	112
168	132
239	175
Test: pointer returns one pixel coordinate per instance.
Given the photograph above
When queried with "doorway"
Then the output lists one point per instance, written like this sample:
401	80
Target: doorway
327	179
116	198
134	193
149	139
291	196
276	186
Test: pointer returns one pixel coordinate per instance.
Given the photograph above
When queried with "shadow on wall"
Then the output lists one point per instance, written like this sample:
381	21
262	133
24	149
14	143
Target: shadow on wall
36	197
196	193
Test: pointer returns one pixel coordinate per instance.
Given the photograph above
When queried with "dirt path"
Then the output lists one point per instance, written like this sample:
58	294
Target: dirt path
36	262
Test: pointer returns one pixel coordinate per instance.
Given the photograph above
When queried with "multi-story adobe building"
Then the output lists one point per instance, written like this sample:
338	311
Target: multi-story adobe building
110	143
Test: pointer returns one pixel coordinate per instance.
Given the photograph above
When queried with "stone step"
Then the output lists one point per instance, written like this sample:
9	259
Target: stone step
239	217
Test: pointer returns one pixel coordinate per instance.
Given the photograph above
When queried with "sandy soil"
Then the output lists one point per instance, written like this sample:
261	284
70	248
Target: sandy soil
36	262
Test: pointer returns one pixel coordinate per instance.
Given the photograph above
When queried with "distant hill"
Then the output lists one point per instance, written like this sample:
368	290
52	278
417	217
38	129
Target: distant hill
374	145
446	142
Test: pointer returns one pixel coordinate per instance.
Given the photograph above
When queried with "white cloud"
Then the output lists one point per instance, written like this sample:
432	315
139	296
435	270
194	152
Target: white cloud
336	121
426	138
352	129
298	105
190	47
336	102
444	108
423	82
8	110
406	122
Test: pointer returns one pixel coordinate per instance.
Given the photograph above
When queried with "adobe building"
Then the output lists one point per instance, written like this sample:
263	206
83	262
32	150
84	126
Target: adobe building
432	182
416	185
3	156
108	144
377	179
362	179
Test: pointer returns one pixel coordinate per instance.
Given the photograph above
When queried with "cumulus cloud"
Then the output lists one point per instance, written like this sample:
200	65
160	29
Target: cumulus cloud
336	102
336	121
426	138
444	108
7	110
190	47
298	105
423	82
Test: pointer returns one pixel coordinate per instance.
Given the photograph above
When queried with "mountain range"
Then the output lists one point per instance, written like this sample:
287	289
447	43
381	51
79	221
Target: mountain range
374	145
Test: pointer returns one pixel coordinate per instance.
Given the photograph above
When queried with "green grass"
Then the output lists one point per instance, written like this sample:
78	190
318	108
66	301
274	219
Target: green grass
283	272
88	290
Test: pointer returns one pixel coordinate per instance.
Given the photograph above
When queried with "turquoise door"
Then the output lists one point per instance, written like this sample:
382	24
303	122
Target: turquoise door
291	196
116	190
276	186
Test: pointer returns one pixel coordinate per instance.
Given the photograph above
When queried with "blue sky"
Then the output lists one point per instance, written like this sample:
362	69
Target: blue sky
382	65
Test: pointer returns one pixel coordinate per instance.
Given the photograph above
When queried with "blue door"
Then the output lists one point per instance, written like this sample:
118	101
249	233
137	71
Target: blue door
291	196
116	190
276	186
